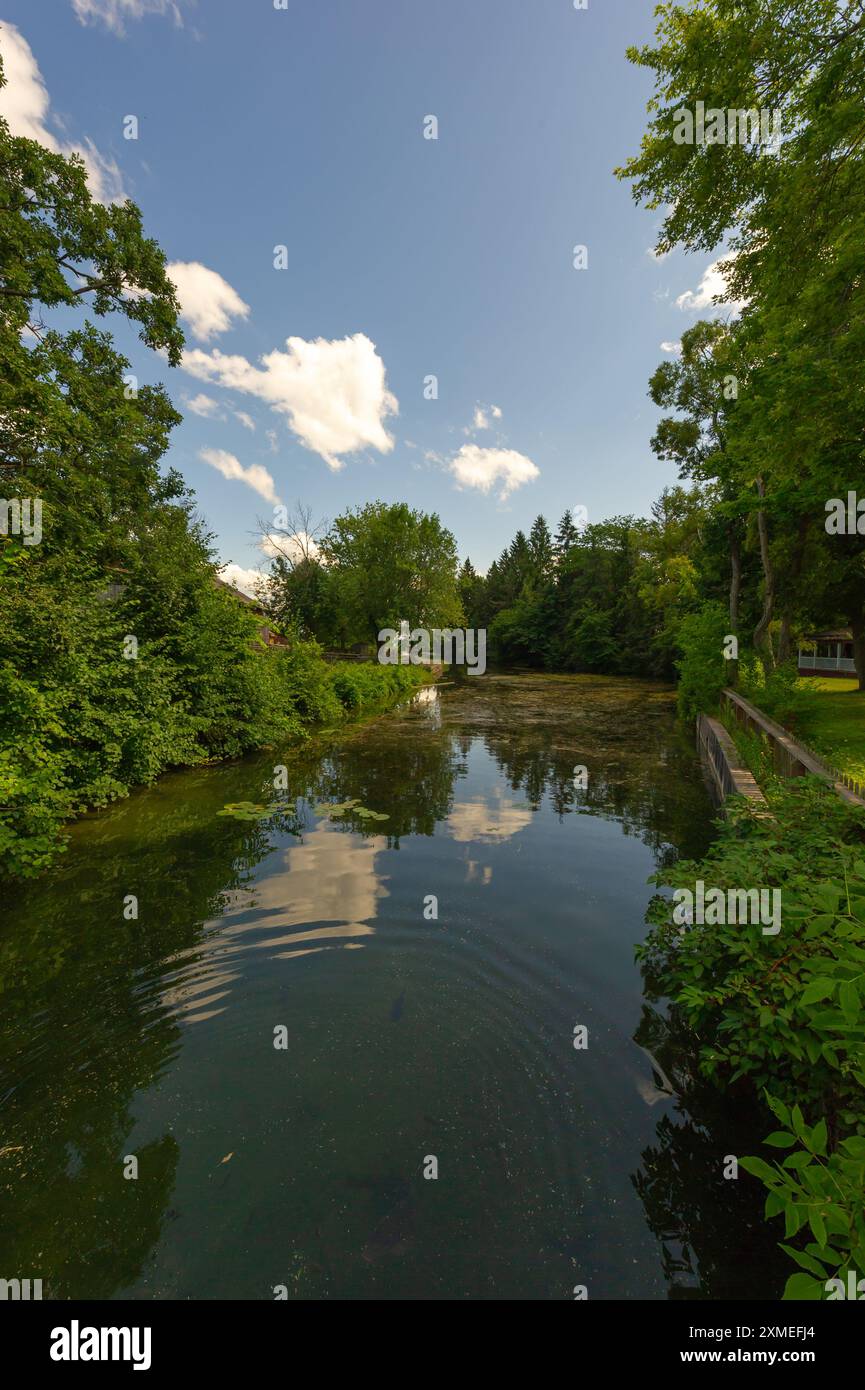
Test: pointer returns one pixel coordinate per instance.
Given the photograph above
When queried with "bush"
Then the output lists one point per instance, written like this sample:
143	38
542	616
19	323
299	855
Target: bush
82	726
780	694
702	667
364	685
785	1013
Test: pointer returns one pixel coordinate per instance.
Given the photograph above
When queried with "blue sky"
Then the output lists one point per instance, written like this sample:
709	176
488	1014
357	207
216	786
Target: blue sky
405	257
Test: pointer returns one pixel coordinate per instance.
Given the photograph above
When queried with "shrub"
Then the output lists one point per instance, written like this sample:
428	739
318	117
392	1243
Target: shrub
702	667
785	1013
780	694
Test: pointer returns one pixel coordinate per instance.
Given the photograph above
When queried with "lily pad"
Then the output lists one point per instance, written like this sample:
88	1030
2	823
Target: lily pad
332	809
247	810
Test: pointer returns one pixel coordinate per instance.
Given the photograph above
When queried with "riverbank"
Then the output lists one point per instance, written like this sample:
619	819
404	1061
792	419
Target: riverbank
42	790
777	1015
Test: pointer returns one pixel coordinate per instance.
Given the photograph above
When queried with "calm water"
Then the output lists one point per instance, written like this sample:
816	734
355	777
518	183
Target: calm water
406	1037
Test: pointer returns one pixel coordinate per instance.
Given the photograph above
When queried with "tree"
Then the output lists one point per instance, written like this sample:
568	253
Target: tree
388	563
566	536
299	593
789	212
701	386
541	550
472	592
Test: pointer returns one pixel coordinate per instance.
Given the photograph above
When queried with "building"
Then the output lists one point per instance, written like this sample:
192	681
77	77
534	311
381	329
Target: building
829	654
265	631
266	634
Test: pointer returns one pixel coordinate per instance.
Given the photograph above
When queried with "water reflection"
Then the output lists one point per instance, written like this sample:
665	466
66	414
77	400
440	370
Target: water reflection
496	818
406	1035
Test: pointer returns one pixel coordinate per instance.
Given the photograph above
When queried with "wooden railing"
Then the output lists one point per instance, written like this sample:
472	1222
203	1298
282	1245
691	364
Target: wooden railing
791	757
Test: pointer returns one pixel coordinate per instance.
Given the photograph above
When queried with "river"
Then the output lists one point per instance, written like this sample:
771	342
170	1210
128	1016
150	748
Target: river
244	1090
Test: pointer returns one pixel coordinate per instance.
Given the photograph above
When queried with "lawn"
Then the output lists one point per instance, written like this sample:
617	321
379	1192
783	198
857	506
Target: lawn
838	730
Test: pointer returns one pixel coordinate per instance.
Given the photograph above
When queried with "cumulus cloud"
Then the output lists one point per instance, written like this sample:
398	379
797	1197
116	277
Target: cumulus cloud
334	393
25	105
203	405
246	580
255	476
207	302
294	548
712	286
483	468
246	420
671	347
114	13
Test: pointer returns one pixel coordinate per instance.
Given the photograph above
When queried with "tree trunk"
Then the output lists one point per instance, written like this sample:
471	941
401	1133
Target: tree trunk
735	590
762	641
790	588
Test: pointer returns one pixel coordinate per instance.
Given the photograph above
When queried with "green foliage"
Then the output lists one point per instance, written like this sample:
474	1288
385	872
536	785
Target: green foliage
780	694
784	1013
365	685
819	1195
609	598
387	563
703	670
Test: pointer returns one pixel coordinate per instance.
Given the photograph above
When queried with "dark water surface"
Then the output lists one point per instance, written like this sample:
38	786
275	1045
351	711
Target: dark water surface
407	1037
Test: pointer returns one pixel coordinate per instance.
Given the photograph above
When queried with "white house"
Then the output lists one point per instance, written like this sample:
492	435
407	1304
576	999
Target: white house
828	654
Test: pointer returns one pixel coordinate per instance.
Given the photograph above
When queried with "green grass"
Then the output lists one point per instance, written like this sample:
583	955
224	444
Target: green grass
838	730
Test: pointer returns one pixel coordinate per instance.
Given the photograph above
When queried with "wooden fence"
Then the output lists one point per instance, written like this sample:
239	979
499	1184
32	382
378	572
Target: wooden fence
791	758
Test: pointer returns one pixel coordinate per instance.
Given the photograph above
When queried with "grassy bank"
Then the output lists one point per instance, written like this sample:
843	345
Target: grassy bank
837	729
81	744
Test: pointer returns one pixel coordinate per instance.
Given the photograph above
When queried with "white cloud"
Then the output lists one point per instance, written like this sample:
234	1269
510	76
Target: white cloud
481	418
270	436
482	468
712	285
246	420
255	476
207	302
671	347
299	546
246	580
114	13
333	392
25	104
203	405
